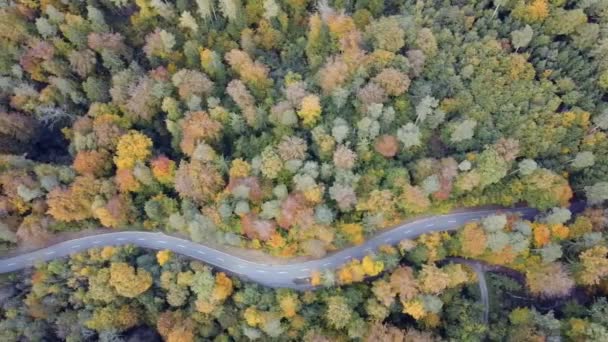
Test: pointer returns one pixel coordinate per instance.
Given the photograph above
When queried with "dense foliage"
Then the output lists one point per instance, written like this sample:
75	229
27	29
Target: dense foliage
293	126
549	279
300	127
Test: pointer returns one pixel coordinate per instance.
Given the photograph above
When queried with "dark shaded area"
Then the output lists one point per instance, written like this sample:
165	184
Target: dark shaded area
142	333
49	145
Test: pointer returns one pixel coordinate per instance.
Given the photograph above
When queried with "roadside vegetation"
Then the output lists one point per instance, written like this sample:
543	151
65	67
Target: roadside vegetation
546	279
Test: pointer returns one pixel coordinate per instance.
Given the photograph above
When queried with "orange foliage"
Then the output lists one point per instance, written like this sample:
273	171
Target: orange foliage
386	145
73	203
126	182
473	240
198	127
91	163
542	234
315	278
115	212
163	169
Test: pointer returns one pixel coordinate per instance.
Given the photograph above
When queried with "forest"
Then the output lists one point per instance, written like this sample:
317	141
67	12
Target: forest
298	128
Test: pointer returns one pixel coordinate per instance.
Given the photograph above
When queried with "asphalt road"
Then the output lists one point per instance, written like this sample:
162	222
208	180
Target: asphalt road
284	275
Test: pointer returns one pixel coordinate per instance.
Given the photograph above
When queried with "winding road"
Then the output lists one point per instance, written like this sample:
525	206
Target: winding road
292	275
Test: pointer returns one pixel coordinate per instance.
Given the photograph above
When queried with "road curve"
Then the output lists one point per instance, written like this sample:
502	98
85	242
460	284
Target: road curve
291	275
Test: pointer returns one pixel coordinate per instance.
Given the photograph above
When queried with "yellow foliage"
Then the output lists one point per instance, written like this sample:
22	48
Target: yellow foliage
223	287
431	320
356	270
289	305
581	226
457	274
310	110
276	241
414	308
433	279
535	11
204	306
185	278
340	25
315	278
253	317
127	282
74	203
314	195
107	252
560	231
163	256
132	147
371	267
239	168
353	232
345	275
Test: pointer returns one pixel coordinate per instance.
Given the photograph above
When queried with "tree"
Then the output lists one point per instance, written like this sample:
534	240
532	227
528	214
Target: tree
132	147
409	135
338	313
163	256
198	180
432	279
6	234
198	127
73	203
127	281
463	131
521	38
594	262
597	193
549	281
473	240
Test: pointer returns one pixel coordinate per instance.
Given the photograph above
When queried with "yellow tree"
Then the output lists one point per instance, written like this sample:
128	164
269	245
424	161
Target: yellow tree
127	281
163	256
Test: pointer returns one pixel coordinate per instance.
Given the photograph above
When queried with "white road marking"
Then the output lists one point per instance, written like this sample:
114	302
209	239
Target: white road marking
96	242
120	239
240	266
163	242
430	225
49	253
387	240
75	246
306	269
260	271
141	239
452	221
182	246
11	264
347	257
282	272
327	264
220	259
201	252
